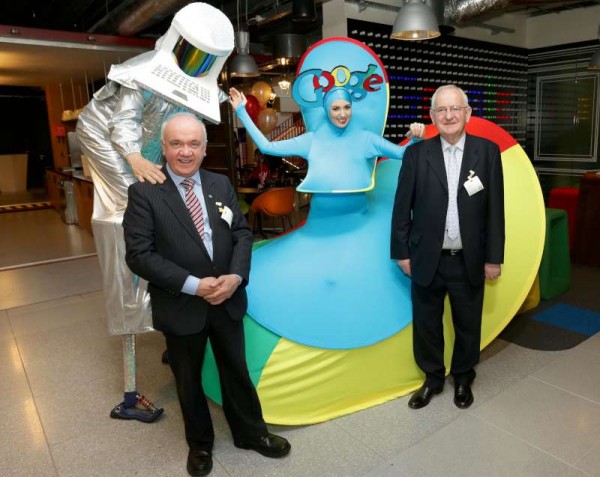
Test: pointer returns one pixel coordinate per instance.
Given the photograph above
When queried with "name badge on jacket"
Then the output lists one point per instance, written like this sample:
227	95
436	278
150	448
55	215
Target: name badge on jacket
473	184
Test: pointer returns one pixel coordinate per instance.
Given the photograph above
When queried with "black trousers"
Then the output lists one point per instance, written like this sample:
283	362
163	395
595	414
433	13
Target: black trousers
240	400
466	303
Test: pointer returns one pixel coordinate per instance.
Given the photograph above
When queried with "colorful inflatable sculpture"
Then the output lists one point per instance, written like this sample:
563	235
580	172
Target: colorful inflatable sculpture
328	328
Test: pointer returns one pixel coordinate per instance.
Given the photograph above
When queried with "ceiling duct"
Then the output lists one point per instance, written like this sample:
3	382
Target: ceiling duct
459	11
147	13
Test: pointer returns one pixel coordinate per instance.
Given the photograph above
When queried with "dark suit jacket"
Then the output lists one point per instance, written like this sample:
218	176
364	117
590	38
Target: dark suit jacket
163	247
421	203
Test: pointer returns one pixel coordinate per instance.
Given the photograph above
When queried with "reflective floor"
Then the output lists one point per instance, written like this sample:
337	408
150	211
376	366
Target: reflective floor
536	413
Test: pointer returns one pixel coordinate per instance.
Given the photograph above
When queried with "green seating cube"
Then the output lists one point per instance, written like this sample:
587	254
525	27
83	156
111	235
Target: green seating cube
555	269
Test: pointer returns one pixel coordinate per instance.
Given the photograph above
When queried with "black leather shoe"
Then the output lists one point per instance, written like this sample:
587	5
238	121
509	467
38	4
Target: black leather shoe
269	446
422	396
463	396
199	462
165	357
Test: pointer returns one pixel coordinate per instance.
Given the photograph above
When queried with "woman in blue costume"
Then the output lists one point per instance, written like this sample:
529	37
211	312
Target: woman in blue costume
330	283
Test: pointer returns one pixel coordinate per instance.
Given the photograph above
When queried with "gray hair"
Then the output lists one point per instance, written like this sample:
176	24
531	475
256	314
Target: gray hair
176	115
449	86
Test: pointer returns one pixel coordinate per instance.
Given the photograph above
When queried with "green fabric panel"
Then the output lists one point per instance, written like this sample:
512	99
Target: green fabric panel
555	269
260	343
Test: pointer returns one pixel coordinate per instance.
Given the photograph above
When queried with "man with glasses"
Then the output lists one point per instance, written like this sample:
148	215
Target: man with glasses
448	236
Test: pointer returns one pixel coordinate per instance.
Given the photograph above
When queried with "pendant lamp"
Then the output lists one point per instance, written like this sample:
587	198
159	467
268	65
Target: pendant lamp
415	21
243	65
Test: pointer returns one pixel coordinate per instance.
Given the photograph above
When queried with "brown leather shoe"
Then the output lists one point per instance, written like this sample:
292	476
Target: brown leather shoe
199	462
422	396
269	445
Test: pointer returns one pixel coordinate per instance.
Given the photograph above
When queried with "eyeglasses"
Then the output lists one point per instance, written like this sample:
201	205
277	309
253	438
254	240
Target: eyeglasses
453	110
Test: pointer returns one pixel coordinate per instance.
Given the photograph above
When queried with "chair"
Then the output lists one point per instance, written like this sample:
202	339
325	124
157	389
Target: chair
555	268
273	203
565	198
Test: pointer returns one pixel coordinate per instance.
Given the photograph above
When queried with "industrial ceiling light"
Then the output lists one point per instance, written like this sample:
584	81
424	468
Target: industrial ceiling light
595	61
243	65
415	21
288	48
303	11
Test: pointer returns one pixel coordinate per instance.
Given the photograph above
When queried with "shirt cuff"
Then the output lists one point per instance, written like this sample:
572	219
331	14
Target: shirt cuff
191	285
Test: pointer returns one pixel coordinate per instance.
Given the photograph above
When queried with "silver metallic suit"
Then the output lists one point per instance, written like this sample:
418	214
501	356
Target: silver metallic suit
123	119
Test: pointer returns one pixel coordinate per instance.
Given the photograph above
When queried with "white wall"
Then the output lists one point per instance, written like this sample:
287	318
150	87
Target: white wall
334	19
569	26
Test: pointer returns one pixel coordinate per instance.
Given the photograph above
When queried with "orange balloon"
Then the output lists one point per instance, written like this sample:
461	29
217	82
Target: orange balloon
262	91
267	120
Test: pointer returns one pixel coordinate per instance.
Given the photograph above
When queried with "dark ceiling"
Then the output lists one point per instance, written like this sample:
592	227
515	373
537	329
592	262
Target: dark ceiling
262	18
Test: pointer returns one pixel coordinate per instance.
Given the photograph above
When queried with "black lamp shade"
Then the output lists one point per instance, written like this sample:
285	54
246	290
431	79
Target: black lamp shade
289	45
303	10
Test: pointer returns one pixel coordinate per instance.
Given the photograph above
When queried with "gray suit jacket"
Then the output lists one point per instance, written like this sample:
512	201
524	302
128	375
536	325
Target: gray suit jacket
419	216
164	247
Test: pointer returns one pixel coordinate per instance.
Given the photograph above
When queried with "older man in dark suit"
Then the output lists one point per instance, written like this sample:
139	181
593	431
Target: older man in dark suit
448	236
189	240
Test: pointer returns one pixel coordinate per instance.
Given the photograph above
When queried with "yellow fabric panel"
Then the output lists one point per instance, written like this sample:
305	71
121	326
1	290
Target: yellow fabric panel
303	385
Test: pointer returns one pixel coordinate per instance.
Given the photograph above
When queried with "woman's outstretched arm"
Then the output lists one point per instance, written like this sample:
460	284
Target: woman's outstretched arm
298	146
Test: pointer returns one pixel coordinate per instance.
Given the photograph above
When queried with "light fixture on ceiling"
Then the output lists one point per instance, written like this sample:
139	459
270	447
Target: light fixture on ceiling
595	61
303	11
284	83
415	21
288	48
243	65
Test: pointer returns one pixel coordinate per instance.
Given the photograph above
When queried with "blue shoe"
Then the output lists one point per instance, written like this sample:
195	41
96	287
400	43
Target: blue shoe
143	410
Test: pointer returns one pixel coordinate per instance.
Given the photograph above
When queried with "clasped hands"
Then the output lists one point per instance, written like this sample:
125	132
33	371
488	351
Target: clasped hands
216	290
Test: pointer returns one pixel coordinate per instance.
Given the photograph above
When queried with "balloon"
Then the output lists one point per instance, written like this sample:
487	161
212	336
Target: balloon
253	108
267	120
262	91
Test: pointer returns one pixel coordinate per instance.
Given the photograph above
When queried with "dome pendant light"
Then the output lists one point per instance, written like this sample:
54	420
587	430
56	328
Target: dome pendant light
415	21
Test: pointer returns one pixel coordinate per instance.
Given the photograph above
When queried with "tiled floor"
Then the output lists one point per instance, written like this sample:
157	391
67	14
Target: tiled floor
536	413
39	236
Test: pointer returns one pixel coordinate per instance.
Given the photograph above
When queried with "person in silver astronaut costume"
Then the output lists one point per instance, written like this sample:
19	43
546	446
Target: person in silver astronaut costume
119	132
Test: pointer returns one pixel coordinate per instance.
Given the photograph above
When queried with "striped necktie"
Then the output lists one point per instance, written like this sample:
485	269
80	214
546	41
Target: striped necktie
452	215
194	205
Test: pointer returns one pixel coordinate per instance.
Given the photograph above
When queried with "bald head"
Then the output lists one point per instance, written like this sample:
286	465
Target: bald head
184	143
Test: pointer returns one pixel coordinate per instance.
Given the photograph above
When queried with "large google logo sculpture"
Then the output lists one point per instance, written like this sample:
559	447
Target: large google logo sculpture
318	349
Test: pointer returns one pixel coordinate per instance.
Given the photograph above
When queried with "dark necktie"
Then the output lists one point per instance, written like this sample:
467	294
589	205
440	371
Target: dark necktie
194	205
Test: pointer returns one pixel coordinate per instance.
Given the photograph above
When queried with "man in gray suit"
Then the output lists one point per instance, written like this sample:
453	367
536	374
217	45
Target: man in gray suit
189	240
448	236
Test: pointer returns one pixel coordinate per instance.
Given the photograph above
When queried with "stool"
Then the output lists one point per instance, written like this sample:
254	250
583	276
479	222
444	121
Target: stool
566	198
587	227
533	298
555	269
